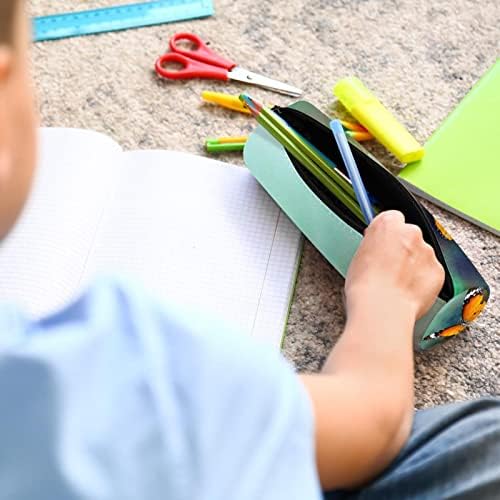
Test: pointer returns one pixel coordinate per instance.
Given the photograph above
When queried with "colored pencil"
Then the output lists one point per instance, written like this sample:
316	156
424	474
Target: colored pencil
227	140
310	158
355	127
359	136
306	147
352	169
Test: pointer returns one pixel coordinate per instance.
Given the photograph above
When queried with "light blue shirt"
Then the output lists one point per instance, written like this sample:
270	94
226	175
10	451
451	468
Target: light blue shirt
120	397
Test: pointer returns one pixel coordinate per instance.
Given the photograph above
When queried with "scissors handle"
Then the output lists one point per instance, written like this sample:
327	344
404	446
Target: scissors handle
190	68
200	52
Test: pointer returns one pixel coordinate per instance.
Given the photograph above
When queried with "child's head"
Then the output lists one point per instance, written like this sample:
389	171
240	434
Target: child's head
17	114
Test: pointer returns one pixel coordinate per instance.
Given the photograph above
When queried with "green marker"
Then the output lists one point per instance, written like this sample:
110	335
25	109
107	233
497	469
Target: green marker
225	144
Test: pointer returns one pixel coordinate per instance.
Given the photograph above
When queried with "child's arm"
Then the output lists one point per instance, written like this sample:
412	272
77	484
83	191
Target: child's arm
363	400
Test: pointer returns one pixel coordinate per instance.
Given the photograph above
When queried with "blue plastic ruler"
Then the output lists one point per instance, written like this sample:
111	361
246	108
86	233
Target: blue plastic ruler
120	17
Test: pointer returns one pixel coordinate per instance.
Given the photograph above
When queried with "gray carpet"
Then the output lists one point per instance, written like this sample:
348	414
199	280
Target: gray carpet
420	57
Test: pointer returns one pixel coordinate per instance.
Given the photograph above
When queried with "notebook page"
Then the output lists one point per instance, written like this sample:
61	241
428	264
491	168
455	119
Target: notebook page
42	260
279	282
203	234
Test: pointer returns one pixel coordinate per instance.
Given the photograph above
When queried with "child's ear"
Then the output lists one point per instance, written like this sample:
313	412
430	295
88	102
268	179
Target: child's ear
6	58
5	166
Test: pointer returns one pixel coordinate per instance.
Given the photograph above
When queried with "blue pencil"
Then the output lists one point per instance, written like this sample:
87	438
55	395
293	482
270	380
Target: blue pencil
352	169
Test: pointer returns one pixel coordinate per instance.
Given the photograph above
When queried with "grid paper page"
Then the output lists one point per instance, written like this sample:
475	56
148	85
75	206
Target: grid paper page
202	234
42	260
279	283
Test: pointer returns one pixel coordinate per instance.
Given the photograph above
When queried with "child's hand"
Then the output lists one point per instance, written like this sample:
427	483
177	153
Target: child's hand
393	263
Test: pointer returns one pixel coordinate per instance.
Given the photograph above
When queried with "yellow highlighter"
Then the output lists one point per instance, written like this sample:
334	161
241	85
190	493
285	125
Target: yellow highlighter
370	112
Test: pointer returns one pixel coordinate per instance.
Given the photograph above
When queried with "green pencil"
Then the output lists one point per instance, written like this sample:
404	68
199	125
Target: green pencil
310	159
312	152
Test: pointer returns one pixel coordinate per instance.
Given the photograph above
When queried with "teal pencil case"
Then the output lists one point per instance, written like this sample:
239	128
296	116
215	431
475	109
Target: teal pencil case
336	233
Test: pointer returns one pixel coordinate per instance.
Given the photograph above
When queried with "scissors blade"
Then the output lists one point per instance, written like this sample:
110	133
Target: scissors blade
245	76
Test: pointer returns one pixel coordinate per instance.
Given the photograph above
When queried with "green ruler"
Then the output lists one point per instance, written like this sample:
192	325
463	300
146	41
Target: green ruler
120	17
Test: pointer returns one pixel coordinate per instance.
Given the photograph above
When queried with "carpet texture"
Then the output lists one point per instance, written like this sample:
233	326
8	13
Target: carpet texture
419	57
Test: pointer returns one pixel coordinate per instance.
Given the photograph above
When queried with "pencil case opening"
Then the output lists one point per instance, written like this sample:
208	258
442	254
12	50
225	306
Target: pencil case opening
317	212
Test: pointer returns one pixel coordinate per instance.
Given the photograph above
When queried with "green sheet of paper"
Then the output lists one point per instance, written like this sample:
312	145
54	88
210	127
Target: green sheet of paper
461	167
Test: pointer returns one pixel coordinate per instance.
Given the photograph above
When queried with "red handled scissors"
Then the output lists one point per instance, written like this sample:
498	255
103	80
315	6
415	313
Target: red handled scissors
201	62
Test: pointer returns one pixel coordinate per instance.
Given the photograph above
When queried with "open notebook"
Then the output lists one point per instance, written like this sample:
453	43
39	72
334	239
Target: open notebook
194	231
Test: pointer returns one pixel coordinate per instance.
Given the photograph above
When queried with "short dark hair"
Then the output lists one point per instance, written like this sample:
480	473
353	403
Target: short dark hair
7	20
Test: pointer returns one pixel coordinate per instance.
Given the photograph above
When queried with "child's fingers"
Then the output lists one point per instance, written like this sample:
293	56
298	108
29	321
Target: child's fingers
389	219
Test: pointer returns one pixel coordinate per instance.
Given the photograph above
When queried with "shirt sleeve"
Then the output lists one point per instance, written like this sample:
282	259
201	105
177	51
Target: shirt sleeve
121	397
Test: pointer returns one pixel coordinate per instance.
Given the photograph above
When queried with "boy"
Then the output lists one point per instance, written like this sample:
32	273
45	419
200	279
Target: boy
117	397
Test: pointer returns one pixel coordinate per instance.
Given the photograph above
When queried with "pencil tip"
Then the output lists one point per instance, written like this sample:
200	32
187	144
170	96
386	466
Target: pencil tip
252	105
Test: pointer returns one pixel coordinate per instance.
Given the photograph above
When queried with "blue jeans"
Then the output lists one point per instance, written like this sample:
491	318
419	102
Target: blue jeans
453	452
